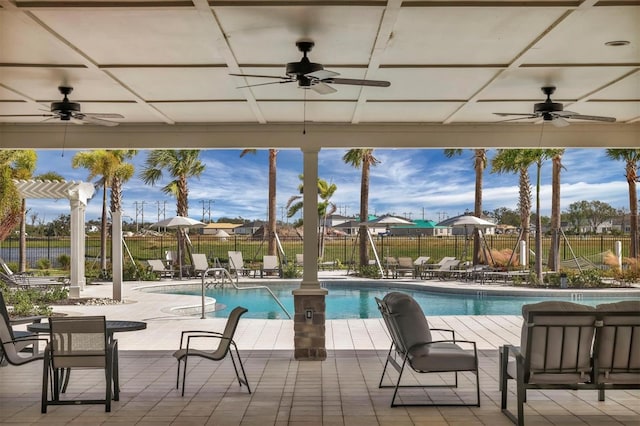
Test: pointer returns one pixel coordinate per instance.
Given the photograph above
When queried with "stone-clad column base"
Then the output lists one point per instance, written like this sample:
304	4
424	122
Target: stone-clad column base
309	324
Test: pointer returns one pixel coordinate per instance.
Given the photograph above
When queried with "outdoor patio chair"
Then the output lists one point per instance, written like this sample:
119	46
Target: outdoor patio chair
236	263
412	345
27	280
270	265
17	347
554	353
419	263
299	260
78	343
225	345
427	267
443	270
160	268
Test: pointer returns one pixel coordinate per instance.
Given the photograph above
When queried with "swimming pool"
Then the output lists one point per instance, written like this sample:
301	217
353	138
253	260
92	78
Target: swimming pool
356	300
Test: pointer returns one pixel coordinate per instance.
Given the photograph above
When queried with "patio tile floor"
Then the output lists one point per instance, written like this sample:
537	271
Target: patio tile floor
343	390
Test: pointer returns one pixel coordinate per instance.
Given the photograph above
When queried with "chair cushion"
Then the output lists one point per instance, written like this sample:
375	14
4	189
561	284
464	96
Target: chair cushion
441	357
619	353
411	323
544	378
575	340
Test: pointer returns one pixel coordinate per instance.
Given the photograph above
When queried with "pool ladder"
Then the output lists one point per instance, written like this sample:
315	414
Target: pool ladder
225	273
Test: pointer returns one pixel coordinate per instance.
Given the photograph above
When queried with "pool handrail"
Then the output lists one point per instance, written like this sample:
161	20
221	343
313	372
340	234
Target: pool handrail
226	273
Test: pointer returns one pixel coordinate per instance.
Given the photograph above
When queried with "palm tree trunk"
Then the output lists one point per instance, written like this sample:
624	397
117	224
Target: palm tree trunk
364	214
538	265
272	202
525	211
23	236
632	175
479	164
103	230
554	250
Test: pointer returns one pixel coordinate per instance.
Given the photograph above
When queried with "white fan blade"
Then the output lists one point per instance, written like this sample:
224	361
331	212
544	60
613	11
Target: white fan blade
76	120
523	114
323	89
359	82
322	74
559	122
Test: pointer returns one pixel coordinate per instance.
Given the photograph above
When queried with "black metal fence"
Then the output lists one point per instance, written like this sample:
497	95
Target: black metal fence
338	249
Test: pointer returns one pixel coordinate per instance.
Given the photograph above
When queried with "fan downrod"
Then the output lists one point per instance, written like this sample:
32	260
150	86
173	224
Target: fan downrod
548	106
65	108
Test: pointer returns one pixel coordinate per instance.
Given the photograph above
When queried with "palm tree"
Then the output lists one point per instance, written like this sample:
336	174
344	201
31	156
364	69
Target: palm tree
109	166
362	158
325	207
10	205
180	164
516	161
24	164
271	240
556	157
631	157
479	164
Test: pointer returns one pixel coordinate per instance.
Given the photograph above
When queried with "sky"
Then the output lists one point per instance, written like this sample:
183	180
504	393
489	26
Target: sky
414	183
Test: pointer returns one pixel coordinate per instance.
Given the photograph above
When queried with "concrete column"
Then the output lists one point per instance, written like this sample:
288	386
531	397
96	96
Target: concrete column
78	279
309	299
116	254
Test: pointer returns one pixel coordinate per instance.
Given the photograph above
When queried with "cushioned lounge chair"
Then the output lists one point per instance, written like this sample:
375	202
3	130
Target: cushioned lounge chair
28	280
412	345
405	266
236	264
225	345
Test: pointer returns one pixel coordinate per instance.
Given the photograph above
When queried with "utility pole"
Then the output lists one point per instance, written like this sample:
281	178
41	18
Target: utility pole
423	213
139	211
206	210
161	210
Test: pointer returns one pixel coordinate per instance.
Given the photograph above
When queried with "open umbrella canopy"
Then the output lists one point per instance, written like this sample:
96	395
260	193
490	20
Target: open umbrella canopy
466	220
179	222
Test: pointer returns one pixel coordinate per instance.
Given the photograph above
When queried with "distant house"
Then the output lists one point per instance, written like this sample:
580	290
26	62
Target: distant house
421	227
213	228
351	228
249	228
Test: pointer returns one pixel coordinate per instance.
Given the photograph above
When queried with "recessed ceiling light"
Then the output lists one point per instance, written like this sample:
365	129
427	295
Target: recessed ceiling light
617	43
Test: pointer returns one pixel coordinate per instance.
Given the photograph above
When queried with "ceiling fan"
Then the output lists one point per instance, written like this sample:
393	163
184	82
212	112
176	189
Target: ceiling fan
70	111
553	111
310	75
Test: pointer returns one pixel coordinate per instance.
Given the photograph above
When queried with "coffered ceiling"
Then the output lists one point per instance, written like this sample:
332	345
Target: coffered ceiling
167	63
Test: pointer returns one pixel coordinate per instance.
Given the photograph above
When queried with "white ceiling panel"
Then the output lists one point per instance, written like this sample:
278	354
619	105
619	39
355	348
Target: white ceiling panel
571	83
465	35
582	37
447	62
419	112
135	36
23	41
319	112
431	83
628	88
154	84
268	34
203	112
42	83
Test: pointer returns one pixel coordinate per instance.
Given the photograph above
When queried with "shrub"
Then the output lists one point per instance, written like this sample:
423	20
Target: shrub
43	263
290	270
369	271
64	260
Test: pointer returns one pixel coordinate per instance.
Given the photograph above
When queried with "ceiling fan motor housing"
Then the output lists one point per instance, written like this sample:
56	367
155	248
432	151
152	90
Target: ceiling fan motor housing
65	108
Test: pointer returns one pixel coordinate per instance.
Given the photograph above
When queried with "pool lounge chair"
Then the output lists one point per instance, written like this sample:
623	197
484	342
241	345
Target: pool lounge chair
236	264
270	265
390	264
405	266
160	268
427	267
419	263
412	345
28	280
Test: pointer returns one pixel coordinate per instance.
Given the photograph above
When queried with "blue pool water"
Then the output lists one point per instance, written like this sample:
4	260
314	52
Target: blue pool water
346	301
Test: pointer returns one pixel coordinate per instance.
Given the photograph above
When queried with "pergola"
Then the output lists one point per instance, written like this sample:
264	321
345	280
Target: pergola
78	193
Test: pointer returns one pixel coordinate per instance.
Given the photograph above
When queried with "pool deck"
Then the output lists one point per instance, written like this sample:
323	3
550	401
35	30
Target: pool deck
339	391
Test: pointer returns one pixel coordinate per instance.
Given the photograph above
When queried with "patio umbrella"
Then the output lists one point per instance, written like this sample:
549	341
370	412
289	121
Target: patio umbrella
466	221
179	223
